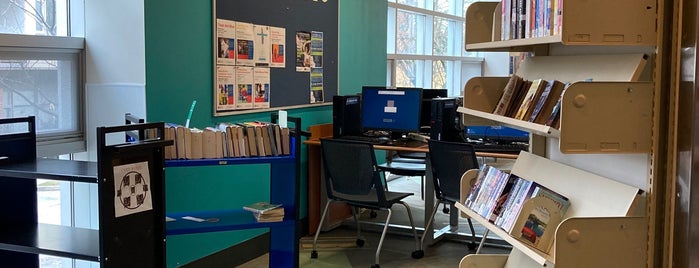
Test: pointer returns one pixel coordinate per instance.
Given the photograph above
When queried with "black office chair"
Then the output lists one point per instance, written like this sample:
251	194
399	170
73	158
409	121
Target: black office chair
405	164
449	161
351	176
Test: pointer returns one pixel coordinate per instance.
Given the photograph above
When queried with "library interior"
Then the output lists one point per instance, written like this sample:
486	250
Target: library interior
338	133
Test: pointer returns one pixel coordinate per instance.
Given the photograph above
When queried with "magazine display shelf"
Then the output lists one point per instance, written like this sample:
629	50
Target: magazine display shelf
622	22
284	182
115	243
600	228
611	114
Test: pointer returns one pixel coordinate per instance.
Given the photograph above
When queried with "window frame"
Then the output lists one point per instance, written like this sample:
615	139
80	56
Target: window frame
60	142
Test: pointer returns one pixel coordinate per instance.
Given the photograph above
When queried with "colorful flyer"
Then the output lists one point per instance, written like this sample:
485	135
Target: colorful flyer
225	84
263	45
261	87
243	91
317	49
225	47
316	85
278	40
244	34
304	60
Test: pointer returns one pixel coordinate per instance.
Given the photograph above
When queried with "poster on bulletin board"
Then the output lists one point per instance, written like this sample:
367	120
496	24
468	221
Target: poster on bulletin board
274	54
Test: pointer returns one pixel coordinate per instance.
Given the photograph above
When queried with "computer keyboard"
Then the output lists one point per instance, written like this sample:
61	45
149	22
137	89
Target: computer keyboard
499	147
369	139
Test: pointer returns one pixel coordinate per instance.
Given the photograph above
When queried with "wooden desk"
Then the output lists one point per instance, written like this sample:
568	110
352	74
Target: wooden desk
338	212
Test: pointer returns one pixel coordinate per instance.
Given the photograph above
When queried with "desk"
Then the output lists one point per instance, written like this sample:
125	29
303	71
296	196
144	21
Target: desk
337	214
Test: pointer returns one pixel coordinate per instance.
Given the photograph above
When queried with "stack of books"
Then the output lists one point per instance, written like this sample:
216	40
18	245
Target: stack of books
266	212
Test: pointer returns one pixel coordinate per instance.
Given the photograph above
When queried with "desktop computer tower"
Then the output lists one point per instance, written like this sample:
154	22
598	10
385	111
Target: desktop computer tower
444	124
347	116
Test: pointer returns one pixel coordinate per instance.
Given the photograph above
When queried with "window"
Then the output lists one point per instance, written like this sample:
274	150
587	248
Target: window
425	45
41	71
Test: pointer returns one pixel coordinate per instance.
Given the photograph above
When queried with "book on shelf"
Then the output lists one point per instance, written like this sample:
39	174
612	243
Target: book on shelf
490	188
261	207
539	217
533	93
266	212
546	101
194	147
507	94
517	99
209	146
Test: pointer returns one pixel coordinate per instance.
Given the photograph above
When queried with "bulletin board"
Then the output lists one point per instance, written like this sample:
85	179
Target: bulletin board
272	86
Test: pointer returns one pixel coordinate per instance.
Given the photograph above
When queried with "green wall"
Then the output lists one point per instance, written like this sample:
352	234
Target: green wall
179	69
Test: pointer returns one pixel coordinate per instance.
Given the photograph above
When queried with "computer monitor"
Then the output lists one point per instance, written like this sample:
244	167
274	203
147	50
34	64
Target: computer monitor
394	110
425	115
496	134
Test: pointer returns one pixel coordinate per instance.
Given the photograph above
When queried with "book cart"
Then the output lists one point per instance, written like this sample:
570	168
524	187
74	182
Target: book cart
609	43
129	234
284	189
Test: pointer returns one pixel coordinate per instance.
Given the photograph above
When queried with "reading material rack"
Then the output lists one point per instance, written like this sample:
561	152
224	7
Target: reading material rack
116	243
600	229
609	43
284	189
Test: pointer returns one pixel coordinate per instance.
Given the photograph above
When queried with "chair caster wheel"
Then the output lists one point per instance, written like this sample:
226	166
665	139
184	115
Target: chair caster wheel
471	246
314	254
360	242
445	210
418	254
372	214
375	266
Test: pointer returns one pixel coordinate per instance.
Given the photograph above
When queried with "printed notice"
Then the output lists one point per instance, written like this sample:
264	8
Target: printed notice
243	79
263	45
224	91
278	40
244	34
304	60
261	89
317	49
132	192
225	33
316	85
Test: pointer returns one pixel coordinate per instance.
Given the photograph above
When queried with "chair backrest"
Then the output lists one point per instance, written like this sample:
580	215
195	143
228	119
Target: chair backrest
449	161
350	170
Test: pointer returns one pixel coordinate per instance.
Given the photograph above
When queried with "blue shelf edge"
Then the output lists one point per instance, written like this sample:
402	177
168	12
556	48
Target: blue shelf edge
221	220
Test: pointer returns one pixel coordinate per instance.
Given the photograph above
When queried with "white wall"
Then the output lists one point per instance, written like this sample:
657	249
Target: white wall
115	64
495	64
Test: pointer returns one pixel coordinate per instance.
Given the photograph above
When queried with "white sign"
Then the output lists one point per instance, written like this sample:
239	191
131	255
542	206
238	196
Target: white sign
132	192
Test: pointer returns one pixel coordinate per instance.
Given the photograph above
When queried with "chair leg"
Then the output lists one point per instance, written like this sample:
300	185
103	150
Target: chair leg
480	245
383	234
472	245
429	223
314	253
418	253
355	213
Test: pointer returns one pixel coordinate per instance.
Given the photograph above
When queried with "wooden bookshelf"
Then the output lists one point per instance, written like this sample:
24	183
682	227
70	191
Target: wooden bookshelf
611	114
601	220
622	22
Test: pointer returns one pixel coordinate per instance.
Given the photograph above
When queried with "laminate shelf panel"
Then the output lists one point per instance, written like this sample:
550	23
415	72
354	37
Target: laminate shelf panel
54	169
226	220
55	240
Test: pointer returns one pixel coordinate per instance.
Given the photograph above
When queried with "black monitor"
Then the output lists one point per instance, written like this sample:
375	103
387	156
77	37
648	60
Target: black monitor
394	110
425	116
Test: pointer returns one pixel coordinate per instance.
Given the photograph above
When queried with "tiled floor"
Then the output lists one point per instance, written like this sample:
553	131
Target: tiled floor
337	247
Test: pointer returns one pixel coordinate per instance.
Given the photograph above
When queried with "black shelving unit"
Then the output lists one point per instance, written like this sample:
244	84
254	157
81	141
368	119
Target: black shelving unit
135	240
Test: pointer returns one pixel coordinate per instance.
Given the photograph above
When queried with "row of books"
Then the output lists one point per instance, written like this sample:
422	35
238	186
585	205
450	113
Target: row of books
530	18
266	212
500	197
227	140
536	101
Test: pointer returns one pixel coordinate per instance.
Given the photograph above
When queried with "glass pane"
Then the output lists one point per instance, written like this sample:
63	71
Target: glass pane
34	17
440	40
439	74
46	89
443	6
415	3
408	73
407	32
